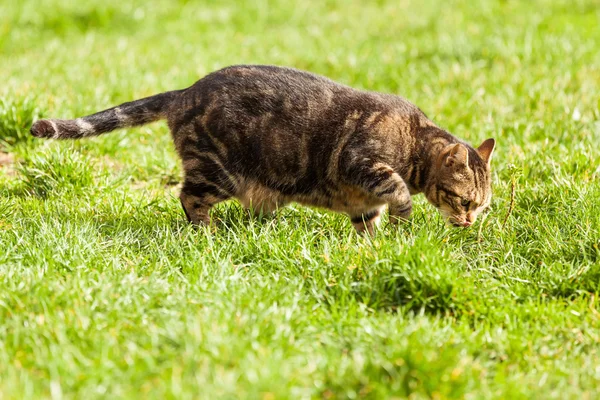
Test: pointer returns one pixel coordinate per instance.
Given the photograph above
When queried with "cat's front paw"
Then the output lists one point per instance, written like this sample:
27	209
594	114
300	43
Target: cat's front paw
400	213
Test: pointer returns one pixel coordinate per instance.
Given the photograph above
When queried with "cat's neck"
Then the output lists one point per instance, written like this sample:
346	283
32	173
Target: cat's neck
430	141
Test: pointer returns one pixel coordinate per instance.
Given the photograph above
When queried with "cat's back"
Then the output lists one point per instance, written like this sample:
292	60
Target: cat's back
288	80
256	91
259	89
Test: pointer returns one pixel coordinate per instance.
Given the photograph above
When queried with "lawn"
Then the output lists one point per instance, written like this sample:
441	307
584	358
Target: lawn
106	292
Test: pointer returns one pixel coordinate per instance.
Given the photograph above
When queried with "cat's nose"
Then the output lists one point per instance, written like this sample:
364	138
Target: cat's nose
470	218
467	224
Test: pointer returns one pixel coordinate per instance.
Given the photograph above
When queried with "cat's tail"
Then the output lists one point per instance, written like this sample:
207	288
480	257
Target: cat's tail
134	113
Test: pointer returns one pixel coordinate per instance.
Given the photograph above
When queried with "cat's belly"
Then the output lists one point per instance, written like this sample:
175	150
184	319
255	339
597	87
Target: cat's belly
346	199
259	198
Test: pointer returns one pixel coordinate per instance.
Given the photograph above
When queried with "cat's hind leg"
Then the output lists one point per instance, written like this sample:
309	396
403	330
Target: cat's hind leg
197	199
205	185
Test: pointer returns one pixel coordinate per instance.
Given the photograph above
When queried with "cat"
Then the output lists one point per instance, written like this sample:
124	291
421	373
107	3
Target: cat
270	135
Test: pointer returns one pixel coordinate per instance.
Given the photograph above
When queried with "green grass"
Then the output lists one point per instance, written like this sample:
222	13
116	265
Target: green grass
106	292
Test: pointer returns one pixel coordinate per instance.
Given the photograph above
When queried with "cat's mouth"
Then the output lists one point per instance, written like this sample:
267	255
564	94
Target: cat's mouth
459	224
456	222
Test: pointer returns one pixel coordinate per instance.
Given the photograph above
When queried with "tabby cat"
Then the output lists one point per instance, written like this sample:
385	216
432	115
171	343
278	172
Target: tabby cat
268	136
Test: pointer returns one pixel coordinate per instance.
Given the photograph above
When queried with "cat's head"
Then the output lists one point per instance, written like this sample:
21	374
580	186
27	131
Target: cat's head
460	184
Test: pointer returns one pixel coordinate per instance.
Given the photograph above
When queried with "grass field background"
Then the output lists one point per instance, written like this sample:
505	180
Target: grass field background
106	292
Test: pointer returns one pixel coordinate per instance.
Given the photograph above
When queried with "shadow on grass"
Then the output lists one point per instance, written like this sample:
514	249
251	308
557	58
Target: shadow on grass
231	216
414	369
583	281
416	274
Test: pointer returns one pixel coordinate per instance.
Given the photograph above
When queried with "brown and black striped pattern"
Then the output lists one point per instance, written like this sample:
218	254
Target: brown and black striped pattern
269	136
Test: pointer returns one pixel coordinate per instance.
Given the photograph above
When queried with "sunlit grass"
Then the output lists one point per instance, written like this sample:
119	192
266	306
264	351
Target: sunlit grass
105	291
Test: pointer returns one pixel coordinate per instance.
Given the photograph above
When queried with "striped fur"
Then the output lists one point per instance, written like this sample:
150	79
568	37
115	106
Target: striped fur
126	115
269	136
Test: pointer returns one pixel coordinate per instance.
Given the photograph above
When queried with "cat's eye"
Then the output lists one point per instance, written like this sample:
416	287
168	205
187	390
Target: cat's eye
465	203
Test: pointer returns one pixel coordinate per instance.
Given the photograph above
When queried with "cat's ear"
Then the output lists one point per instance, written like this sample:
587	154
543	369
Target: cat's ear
456	154
486	150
